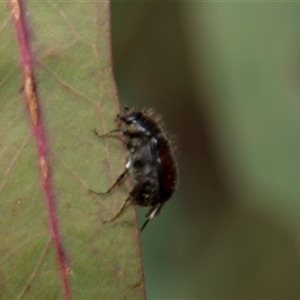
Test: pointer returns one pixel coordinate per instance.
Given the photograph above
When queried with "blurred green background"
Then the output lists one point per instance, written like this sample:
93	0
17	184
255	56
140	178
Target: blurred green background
225	77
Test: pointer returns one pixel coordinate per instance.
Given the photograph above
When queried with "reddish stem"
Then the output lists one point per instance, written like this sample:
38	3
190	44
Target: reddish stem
31	98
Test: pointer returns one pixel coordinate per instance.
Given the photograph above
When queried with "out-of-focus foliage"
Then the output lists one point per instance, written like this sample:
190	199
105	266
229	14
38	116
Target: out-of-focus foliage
225	76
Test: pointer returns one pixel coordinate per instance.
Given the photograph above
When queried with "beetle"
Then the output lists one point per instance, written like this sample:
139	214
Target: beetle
151	162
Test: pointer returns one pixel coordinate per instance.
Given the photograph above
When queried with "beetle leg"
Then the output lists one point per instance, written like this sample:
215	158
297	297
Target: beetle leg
107	133
120	177
121	209
154	211
135	191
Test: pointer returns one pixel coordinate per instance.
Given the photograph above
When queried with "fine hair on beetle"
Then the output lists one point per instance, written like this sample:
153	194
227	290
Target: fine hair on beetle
151	163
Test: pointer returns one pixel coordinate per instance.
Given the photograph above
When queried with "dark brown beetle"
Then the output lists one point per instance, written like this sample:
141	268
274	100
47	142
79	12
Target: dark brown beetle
151	162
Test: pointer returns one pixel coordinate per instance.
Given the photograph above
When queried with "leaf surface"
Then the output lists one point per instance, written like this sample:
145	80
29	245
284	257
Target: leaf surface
54	244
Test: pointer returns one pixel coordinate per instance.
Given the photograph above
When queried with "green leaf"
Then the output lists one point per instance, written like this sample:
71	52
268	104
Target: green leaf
54	244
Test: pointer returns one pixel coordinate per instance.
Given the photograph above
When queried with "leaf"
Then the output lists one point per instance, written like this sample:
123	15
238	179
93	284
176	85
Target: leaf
54	244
